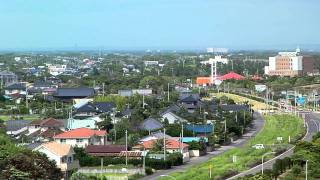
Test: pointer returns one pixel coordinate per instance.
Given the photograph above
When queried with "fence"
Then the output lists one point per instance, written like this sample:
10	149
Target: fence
111	171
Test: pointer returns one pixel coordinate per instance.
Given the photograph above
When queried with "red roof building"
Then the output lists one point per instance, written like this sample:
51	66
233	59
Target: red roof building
82	137
203	80
232	75
171	145
81	133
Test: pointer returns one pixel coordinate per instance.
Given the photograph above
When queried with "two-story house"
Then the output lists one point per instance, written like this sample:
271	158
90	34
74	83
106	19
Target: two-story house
62	154
82	137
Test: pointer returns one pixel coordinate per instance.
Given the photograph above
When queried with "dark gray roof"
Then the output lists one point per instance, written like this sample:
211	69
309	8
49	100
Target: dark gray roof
185	95
75	92
14	125
89	107
16	86
104	106
150	124
32	146
173	108
41	84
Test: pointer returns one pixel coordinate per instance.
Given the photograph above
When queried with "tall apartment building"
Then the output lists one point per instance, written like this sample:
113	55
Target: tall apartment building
291	64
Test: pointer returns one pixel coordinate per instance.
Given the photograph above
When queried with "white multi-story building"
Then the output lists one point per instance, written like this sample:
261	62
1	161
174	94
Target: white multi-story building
290	64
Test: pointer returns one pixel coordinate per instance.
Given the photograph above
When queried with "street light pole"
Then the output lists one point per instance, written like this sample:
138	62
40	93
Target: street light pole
126	147
263	158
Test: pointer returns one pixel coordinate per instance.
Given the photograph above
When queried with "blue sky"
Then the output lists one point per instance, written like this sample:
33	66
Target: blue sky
163	24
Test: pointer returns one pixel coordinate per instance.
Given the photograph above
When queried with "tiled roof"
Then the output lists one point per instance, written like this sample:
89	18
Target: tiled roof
89	107
105	148
75	92
150	124
105	106
49	133
50	122
80	133
170	144
14	125
16	86
58	148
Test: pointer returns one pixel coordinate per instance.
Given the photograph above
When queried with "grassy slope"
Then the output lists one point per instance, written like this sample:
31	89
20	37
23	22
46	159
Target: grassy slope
239	99
277	125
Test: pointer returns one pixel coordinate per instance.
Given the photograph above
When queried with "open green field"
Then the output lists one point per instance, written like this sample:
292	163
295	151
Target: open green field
25	117
276	126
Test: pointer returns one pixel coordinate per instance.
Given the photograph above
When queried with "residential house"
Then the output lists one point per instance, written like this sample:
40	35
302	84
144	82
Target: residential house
82	137
7	77
44	130
190	101
42	87
62	154
90	123
93	109
171	117
16	89
155	136
131	92
67	94
16	127
150	124
172	146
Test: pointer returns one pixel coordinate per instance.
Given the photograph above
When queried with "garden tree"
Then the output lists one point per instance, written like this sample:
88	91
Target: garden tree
106	124
174	130
137	116
19	163
119	101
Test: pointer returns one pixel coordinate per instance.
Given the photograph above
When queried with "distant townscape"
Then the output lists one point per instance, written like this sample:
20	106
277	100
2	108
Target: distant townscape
213	114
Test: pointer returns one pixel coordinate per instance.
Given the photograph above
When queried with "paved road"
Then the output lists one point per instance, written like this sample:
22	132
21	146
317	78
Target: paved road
313	124
258	124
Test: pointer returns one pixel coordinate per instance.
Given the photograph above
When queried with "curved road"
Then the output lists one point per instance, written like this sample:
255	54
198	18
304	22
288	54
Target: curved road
258	124
313	125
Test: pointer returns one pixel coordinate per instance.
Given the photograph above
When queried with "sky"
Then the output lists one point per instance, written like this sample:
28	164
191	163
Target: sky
162	24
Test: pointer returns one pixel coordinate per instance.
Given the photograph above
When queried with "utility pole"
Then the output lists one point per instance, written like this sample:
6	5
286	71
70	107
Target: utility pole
143	101
295	102
103	84
164	144
168	92
27	96
126	147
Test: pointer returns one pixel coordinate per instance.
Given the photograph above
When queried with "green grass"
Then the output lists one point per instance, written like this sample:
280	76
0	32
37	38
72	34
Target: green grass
276	125
25	117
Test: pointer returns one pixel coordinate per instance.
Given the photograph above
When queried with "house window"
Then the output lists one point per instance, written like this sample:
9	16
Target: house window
62	140
63	159
69	159
79	140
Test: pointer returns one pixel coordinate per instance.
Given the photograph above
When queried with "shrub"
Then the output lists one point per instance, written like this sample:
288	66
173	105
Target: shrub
148	171
175	159
296	169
